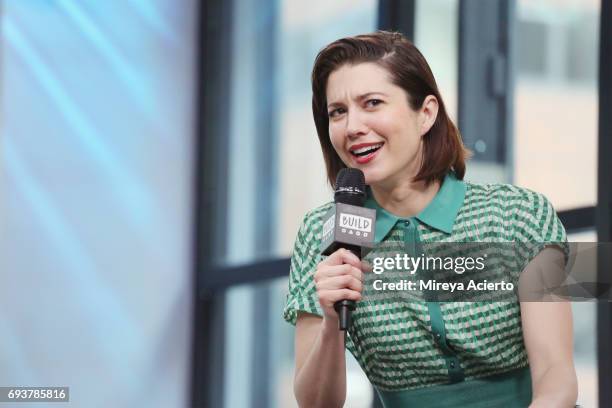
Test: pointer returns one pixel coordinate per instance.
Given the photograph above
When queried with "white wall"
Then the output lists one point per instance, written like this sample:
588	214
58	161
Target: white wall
96	135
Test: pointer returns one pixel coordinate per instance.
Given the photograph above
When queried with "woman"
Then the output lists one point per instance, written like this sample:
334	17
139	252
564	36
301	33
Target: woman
377	108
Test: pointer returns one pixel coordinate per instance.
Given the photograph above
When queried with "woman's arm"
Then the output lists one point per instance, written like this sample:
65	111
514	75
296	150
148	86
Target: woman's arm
548	335
320	365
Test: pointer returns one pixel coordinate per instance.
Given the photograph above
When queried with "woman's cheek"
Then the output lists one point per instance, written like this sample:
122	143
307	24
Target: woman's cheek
336	141
337	149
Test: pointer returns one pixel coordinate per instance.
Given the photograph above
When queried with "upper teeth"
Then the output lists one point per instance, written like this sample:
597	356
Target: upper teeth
365	149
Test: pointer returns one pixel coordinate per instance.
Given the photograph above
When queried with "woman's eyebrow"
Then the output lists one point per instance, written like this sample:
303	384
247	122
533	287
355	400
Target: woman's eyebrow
358	98
367	95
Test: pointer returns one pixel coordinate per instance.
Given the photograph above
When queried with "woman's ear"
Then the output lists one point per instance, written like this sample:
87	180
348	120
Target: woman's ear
428	113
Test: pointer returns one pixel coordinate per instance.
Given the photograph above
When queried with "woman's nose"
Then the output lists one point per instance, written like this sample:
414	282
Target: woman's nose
355	126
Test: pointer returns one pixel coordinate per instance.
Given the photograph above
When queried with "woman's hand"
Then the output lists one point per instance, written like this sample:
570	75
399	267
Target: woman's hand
338	277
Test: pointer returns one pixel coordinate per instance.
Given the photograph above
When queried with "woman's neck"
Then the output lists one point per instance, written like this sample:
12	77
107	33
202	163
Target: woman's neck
406	199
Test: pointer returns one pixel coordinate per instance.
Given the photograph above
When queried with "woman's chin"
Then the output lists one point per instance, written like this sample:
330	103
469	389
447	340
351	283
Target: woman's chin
371	176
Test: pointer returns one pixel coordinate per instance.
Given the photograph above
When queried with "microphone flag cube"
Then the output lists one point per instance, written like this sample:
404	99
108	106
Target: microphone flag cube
346	224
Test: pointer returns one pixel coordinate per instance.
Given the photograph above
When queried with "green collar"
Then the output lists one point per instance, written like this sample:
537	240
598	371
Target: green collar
440	213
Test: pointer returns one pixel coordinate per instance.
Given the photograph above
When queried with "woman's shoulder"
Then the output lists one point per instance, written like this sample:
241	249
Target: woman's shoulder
505	196
312	223
529	214
313	219
306	252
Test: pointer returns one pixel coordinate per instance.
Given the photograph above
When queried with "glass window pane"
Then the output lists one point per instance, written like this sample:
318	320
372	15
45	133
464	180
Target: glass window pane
585	339
555	144
437	39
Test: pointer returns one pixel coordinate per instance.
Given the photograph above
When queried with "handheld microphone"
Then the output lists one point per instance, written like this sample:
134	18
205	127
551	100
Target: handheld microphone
348	224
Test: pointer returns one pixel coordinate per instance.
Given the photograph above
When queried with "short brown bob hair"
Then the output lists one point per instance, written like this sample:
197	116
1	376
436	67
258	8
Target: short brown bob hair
443	149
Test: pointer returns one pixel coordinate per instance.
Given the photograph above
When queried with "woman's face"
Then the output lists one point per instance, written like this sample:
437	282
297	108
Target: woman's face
372	126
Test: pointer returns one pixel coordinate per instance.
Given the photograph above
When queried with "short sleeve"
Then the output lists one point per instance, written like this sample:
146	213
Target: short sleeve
302	294
537	226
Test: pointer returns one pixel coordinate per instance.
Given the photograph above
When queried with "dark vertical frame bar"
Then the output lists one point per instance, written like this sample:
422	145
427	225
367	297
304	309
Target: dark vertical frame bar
485	77
397	15
266	134
214	58
604	203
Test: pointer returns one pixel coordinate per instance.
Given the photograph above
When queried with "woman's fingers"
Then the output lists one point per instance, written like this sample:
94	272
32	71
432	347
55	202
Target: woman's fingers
366	267
340	282
326	272
342	256
338	277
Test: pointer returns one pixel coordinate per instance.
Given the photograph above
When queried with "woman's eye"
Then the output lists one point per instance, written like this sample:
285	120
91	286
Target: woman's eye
335	112
373	102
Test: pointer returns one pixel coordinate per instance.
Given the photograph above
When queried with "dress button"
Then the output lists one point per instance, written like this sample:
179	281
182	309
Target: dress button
452	364
437	337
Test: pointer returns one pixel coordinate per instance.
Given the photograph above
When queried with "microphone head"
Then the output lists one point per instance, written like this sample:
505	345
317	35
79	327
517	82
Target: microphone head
350	187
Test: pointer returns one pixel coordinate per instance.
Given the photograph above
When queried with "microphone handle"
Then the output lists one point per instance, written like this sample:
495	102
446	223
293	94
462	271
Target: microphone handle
345	307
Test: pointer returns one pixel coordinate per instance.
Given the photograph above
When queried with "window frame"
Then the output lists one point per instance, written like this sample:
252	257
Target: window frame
211	281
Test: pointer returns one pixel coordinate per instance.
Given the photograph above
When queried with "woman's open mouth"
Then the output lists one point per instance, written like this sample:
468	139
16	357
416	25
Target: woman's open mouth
365	152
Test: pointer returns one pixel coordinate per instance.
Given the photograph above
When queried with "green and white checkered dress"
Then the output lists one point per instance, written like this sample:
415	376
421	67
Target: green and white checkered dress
408	345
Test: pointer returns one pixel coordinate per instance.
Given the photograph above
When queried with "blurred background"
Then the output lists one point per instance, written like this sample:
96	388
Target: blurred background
157	158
